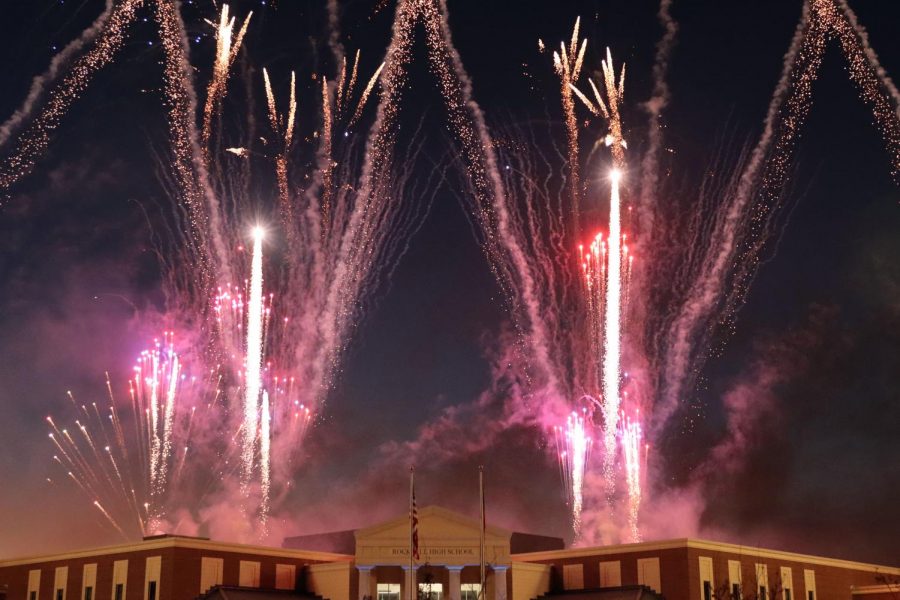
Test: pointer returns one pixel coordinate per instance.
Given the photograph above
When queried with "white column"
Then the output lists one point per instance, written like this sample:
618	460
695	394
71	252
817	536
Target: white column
365	582
409	582
499	582
454	591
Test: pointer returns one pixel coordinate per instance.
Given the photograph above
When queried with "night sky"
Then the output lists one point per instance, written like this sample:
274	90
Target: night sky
80	282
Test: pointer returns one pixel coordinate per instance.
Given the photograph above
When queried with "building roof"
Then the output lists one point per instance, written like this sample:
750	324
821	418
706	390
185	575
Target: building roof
176	541
346	541
752	551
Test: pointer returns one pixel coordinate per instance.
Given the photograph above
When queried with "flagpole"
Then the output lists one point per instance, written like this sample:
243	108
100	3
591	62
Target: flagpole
481	496
412	575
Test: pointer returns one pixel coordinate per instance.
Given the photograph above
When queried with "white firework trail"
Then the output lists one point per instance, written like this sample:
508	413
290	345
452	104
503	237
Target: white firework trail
253	358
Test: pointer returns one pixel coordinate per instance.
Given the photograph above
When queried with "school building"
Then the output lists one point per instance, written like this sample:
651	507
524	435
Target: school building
373	564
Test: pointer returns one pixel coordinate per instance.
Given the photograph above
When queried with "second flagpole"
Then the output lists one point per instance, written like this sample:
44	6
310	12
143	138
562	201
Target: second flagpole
412	573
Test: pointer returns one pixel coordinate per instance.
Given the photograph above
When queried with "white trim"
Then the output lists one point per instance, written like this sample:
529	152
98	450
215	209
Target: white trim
530	566
181	542
748	551
325	567
874	589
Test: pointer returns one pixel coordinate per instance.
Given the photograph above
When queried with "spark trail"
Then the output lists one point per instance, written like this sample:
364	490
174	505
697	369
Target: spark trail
105	38
254	355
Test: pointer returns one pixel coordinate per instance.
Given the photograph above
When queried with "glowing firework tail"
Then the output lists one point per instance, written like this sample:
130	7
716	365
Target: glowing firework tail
265	466
365	94
568	66
227	46
612	330
574	446
253	360
632	450
612	343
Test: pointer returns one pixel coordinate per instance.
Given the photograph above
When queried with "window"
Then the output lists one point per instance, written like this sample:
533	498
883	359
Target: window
469	591
809	582
152	572
388	591
648	573
34	583
286	577
120	579
573	577
610	573
249	574
431	591
787	582
210	572
706	578
88	581
762	581
60	577
734	578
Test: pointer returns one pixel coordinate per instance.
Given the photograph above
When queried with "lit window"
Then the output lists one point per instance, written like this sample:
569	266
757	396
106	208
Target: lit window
648	573
734	577
469	591
388	591
809	582
762	581
573	577
610	573
431	591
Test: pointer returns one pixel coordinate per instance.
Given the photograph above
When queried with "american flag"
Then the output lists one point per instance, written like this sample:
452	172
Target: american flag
414	522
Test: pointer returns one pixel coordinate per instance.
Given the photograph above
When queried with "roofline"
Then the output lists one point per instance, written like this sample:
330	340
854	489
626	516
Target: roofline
885	588
753	551
180	542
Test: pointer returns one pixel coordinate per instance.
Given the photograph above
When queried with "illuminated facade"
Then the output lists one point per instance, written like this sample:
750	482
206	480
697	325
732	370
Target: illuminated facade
373	564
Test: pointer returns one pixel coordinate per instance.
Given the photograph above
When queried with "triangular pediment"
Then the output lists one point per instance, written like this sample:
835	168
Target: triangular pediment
445	537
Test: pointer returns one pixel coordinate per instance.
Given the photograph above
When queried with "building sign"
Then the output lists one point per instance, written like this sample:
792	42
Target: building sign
438	552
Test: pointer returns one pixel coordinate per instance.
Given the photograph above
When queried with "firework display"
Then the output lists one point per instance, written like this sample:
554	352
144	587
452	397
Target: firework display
263	308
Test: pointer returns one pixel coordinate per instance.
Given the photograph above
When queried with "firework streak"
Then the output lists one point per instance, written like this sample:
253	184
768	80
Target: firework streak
619	343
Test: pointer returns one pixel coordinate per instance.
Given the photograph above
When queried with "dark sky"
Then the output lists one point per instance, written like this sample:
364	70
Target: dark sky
78	277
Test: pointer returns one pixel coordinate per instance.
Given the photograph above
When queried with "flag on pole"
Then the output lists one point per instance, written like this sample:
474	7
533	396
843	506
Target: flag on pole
413	519
483	526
